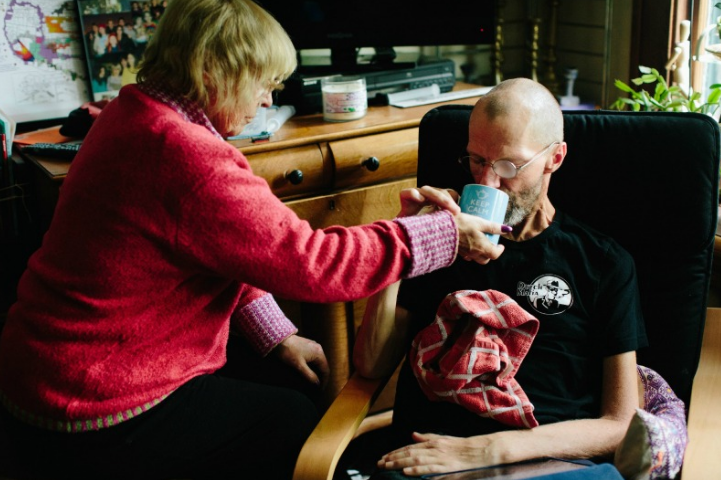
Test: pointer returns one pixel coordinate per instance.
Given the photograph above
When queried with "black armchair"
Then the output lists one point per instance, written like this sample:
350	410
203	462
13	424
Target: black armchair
651	181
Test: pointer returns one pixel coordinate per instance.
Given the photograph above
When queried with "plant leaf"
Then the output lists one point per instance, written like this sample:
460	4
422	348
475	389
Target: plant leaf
646	100
660	92
714	96
655	103
623	87
649	78
617	105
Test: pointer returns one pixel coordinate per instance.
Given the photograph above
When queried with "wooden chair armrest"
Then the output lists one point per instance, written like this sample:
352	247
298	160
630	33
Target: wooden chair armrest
321	452
704	420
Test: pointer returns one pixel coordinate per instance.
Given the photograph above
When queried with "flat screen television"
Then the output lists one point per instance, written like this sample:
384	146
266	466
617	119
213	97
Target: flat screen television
342	26
345	26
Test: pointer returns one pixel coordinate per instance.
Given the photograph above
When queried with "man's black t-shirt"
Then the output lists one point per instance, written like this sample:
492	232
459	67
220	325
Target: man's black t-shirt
579	283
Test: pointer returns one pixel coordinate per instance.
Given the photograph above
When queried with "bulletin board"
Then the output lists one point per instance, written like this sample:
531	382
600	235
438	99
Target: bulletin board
43	73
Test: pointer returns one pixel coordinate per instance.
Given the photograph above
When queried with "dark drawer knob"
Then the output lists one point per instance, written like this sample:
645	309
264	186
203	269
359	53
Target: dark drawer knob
372	163
295	177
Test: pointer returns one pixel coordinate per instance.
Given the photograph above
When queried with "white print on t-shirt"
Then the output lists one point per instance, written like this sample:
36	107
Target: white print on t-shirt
547	294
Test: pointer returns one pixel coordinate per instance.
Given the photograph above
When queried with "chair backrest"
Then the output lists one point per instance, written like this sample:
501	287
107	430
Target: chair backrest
648	179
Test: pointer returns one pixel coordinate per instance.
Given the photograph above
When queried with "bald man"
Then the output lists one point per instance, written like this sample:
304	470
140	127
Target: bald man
580	373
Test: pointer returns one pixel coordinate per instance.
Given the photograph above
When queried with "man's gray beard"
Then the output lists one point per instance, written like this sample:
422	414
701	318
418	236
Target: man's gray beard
521	205
515	215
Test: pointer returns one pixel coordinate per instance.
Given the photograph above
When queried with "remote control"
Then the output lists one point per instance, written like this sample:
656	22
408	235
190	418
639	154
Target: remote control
65	151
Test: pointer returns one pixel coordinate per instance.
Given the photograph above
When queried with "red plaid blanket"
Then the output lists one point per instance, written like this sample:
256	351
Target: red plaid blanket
471	352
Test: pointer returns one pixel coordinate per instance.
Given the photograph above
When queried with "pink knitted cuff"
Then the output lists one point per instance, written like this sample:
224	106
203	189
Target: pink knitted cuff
263	324
433	241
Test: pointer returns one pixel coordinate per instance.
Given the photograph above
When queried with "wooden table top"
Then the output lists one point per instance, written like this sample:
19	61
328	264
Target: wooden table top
305	130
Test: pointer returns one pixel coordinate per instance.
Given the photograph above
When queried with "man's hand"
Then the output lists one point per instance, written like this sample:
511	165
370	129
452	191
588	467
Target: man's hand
306	356
414	200
440	454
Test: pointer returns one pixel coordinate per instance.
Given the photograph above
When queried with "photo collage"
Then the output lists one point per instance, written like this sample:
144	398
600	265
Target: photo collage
115	34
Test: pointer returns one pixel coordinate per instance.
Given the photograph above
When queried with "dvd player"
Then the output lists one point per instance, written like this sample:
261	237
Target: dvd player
304	93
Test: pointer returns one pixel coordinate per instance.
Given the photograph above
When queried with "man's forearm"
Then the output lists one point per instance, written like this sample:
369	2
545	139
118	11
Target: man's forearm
572	439
586	438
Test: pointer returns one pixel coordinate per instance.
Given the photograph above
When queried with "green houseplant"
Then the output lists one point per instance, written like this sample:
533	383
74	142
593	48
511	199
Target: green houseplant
664	97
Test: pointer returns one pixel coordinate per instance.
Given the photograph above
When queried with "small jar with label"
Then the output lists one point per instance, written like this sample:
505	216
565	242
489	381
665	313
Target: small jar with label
344	98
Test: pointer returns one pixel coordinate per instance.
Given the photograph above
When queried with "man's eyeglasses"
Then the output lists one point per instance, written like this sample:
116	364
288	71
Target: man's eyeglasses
502	168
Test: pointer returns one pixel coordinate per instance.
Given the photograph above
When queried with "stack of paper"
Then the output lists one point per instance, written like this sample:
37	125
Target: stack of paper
267	121
7	129
44	135
7	133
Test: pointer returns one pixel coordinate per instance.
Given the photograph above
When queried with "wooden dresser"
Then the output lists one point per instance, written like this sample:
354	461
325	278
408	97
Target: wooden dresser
345	174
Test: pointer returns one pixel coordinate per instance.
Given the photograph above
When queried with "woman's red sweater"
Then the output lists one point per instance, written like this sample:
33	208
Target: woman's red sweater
162	238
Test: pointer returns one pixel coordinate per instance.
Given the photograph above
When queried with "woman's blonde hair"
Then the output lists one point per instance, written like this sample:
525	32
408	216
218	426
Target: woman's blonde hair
218	53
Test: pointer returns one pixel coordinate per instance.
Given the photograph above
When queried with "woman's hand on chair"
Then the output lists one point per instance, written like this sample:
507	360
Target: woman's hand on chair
306	356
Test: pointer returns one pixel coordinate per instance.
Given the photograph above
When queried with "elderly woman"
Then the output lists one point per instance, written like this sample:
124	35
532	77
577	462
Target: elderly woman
162	243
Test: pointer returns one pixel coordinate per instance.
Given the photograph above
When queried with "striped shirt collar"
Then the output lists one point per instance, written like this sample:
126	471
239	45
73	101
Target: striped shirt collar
188	109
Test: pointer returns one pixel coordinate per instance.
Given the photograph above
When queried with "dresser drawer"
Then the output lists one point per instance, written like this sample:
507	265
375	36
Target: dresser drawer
396	154
292	172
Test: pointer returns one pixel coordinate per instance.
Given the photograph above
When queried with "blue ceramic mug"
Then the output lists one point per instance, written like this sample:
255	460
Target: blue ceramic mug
486	202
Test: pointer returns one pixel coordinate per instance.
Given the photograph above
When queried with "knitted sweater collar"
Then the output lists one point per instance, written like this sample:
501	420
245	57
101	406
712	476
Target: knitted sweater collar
185	107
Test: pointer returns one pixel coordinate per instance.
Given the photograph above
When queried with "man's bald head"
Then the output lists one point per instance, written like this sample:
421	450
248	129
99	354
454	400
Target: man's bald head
529	104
